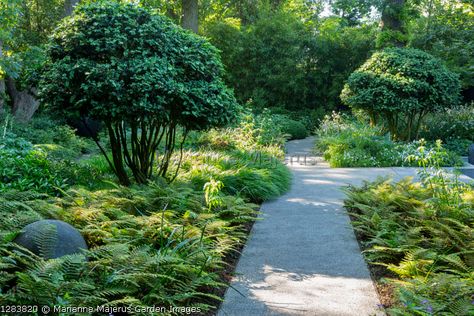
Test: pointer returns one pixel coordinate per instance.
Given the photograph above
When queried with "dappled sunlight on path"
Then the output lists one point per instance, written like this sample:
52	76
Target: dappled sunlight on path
292	293
303	258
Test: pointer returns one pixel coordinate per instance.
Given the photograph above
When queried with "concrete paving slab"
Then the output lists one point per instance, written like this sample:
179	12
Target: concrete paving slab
468	172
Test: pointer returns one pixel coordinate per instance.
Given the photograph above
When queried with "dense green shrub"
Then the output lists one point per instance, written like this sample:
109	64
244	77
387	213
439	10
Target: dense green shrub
263	59
23	167
345	142
295	129
310	118
45	168
279	62
267	127
422	232
272	124
253	132
454	126
400	86
459	146
135	71
44	130
457	123
285	123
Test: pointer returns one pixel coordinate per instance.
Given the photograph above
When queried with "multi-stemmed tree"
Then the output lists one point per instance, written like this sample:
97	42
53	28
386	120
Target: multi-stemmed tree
141	75
398	87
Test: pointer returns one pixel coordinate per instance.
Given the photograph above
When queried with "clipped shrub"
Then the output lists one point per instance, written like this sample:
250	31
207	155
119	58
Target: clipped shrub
135	71
398	87
295	129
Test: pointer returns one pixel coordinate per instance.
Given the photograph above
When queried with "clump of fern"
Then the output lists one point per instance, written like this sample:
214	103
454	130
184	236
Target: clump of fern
158	244
424	233
112	275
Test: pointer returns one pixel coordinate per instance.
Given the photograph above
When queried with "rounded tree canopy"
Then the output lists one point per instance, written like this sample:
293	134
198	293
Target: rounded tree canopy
114	61
402	80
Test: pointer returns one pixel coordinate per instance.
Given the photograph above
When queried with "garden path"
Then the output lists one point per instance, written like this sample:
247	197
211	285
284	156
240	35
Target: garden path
303	257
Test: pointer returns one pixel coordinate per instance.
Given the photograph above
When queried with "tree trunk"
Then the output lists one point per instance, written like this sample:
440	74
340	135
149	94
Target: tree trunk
2	84
24	102
392	21
391	15
117	156
190	15
69	6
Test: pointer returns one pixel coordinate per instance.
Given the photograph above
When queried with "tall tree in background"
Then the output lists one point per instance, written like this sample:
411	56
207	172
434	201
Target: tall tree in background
352	11
190	15
447	32
69	6
25	26
2	82
393	24
8	19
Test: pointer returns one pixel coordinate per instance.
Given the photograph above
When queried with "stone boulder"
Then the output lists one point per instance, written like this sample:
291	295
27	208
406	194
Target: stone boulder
51	239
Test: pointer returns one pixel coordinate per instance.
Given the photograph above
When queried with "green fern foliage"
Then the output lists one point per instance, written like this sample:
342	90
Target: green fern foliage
153	245
424	233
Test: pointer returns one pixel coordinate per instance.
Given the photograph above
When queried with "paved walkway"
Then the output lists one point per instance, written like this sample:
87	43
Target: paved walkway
303	257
